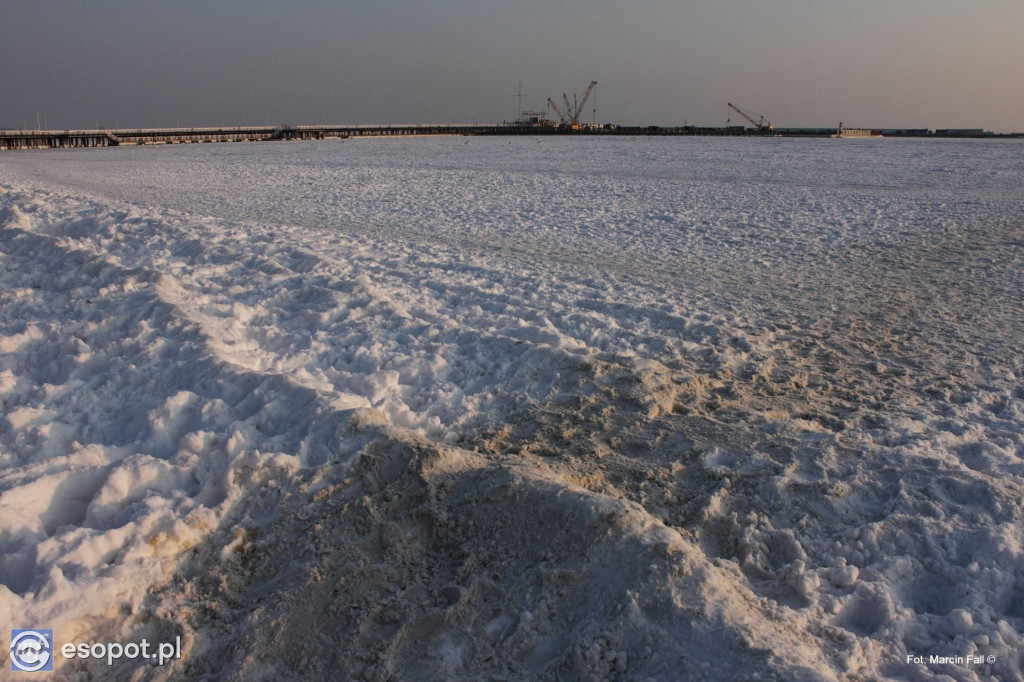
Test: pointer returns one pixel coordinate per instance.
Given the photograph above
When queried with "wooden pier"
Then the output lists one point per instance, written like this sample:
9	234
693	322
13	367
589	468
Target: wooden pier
64	139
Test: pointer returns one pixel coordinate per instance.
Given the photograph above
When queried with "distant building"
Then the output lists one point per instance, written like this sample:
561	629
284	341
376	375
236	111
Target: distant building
533	118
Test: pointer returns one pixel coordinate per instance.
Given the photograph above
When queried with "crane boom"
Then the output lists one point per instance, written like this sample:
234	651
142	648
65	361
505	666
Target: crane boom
554	108
569	116
558	112
760	125
583	103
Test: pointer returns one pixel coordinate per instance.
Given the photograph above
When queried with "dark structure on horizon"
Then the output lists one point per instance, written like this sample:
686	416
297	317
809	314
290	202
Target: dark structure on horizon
61	139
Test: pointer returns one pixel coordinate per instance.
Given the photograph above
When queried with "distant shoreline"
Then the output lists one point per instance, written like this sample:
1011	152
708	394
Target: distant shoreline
61	139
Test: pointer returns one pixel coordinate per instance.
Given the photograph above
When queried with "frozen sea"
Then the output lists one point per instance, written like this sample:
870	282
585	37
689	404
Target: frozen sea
528	408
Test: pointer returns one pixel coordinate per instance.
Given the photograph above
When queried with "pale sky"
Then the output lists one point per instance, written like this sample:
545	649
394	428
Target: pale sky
147	63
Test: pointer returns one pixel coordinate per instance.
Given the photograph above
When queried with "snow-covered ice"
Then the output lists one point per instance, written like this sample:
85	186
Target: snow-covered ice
531	408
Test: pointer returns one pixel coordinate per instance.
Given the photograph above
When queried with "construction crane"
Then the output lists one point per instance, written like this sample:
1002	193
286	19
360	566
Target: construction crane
583	103
760	123
558	112
570	118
